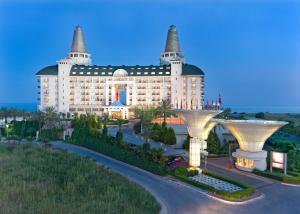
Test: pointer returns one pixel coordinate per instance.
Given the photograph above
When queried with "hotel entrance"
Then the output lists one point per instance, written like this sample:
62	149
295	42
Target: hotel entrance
121	94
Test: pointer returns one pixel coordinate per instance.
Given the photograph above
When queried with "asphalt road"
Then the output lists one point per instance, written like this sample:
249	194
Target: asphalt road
180	198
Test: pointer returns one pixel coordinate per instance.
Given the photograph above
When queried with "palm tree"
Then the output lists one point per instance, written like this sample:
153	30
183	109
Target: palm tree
5	113
14	113
105	131
51	118
40	117
120	123
47	119
146	115
165	109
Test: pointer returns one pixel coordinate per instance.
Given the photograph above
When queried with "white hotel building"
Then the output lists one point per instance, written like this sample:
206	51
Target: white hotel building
74	84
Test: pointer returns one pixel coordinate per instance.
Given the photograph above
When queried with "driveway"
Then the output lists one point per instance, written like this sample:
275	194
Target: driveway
180	198
131	137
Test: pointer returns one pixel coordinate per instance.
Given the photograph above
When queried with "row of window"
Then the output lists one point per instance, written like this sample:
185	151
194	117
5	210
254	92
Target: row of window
111	68
79	55
110	73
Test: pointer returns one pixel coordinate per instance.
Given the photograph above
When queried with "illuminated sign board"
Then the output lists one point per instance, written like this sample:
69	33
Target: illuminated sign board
278	160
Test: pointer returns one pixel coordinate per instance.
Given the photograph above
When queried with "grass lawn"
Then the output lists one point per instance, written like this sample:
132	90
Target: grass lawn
39	179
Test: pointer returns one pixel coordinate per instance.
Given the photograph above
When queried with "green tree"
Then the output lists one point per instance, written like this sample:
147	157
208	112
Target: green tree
213	143
260	115
5	113
170	137
186	143
164	109
146	115
226	114
105	130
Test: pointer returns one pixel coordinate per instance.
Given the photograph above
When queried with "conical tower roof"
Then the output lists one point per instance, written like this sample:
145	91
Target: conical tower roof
78	44
172	44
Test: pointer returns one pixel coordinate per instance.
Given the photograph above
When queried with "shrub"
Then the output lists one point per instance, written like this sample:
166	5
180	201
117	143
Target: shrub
184	171
290	178
141	157
51	134
169	137
119	152
293	160
186	143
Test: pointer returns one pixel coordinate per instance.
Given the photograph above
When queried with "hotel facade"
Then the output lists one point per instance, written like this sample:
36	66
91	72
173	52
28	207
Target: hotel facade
76	85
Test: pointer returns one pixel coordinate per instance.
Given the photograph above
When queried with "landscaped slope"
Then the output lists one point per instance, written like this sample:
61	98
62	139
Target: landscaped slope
37	179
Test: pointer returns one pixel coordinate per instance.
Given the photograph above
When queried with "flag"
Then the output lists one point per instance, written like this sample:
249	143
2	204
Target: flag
220	99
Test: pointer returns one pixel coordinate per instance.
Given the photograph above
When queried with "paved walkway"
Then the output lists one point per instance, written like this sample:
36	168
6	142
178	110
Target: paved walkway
216	183
181	198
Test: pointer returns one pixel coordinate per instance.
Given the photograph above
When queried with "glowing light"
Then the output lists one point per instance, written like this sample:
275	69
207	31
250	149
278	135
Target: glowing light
195	146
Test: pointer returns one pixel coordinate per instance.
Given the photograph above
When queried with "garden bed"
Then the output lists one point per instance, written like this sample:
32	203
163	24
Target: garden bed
183	174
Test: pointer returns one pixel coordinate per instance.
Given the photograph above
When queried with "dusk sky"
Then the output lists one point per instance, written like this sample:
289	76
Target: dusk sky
249	50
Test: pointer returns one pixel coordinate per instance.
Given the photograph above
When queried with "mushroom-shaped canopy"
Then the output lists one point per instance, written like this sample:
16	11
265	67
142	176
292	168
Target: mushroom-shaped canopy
196	120
252	134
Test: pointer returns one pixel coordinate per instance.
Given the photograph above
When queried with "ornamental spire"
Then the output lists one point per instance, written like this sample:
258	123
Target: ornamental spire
78	44
172	44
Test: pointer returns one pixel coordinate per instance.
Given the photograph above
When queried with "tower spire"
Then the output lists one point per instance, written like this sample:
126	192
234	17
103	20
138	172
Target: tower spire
172	44
78	53
172	50
78	44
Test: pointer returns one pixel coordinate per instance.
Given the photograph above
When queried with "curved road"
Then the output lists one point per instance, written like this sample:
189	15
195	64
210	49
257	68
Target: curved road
180	198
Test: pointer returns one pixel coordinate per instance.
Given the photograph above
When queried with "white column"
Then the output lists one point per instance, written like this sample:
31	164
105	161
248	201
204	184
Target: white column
194	156
149	92
113	93
134	94
127	95
107	94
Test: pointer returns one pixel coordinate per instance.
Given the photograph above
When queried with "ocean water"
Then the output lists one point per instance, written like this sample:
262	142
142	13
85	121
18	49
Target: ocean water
247	109
21	106
270	109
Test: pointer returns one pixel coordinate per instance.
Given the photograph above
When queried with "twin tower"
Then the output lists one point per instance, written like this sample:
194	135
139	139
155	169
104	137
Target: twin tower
76	85
80	56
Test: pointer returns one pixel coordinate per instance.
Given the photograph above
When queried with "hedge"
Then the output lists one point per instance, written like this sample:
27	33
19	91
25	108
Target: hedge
291	178
126	155
245	192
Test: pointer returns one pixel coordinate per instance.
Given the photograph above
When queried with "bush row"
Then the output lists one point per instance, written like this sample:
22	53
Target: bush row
291	178
121	153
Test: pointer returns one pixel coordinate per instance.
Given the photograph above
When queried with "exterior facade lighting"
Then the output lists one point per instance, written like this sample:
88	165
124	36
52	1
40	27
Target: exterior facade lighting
251	136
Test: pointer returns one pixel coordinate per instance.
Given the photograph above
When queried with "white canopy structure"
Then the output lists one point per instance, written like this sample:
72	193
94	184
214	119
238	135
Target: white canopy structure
250	134
196	121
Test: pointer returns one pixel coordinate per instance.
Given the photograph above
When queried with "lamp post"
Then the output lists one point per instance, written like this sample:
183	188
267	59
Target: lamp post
6	129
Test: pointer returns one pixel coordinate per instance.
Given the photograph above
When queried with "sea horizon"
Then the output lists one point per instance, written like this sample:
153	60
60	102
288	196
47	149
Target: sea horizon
32	107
